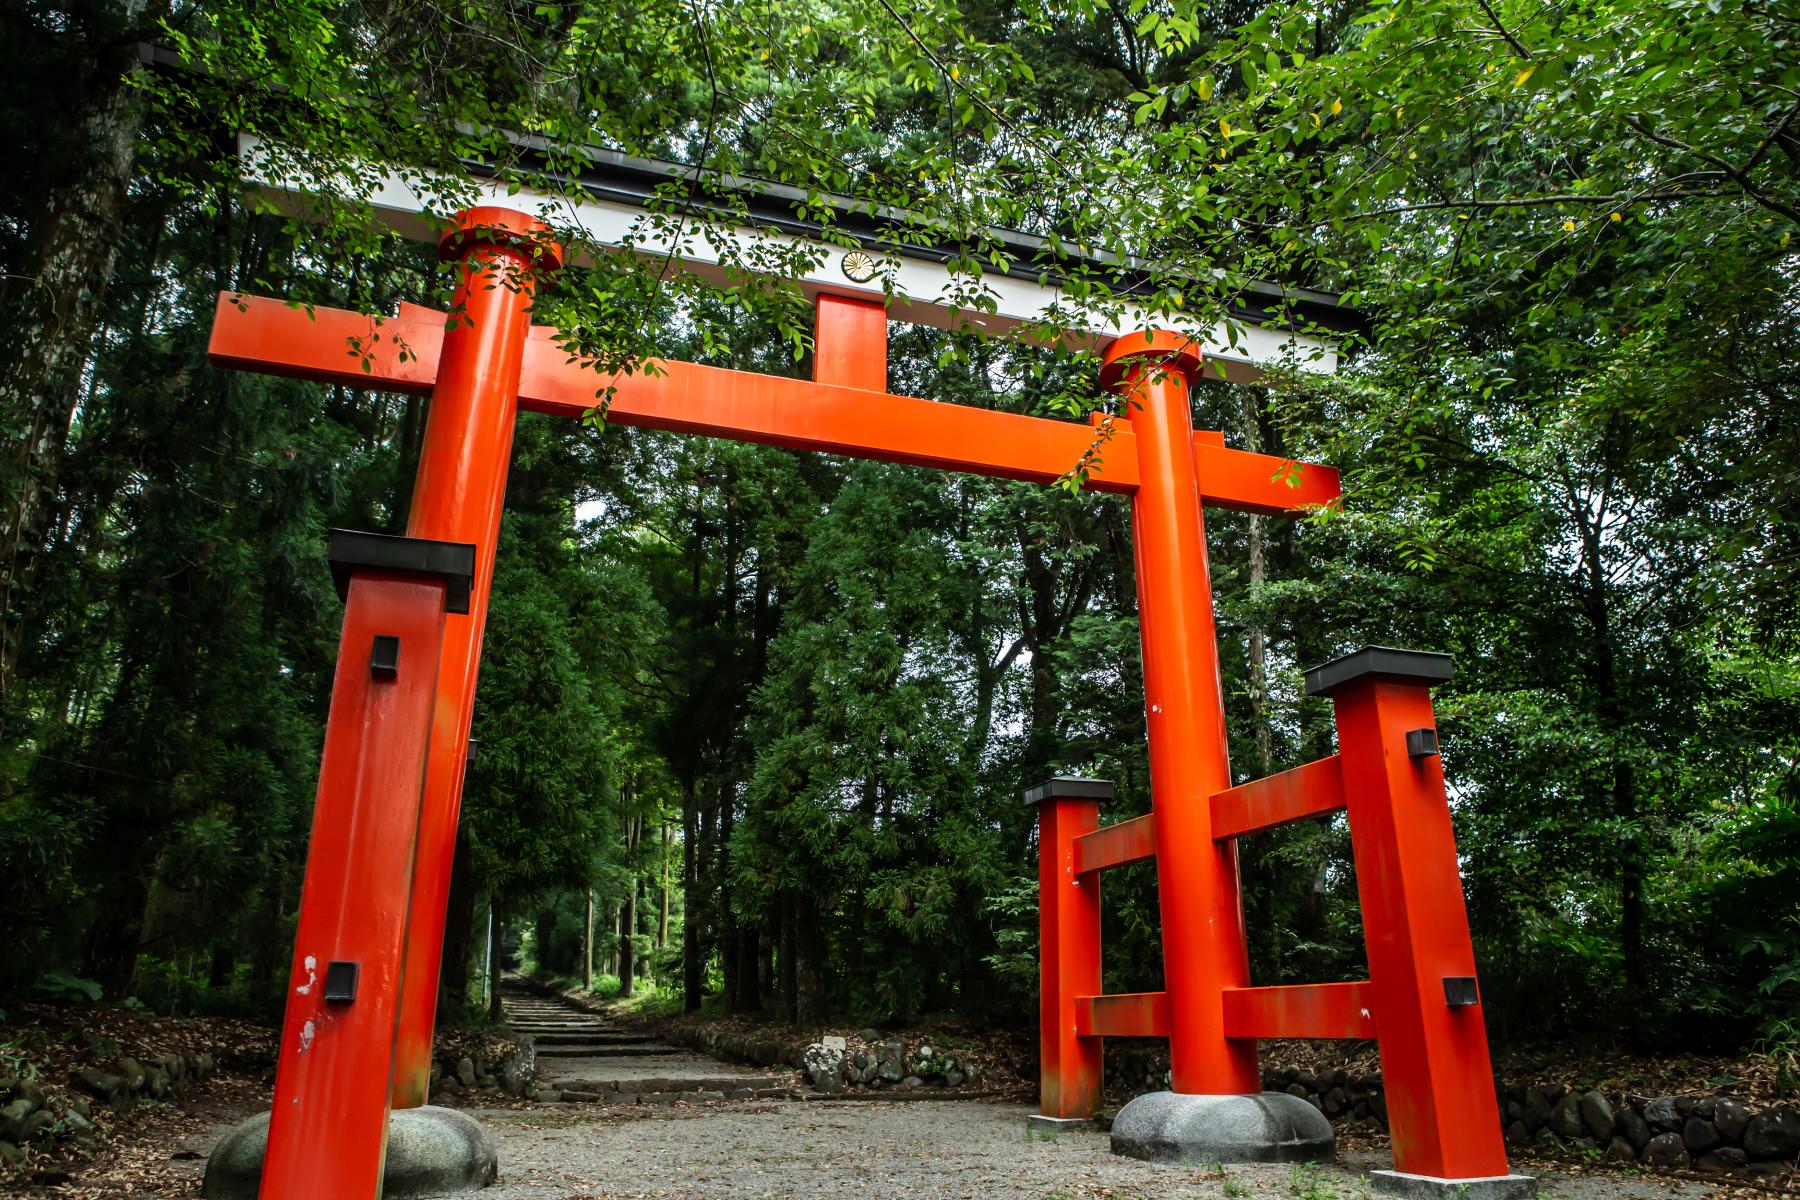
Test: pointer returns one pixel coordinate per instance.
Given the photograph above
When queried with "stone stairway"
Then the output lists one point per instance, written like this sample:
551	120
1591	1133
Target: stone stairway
584	1055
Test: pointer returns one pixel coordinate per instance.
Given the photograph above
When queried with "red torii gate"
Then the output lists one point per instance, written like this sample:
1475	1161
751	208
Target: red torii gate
361	1008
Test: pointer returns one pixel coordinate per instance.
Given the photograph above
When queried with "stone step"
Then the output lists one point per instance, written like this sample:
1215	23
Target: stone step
641	1050
697	1096
591	1039
551	1012
583	1030
651	1089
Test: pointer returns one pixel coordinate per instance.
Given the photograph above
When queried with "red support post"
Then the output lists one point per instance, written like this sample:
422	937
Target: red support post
1068	946
1442	1113
328	1127
457	496
1197	878
850	342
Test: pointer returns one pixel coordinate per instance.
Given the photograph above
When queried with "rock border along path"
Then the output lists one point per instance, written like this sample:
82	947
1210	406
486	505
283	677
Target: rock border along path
585	1056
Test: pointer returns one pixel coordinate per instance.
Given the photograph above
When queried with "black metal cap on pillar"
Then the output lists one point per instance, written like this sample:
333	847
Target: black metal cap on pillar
1386	662
1071	787
453	562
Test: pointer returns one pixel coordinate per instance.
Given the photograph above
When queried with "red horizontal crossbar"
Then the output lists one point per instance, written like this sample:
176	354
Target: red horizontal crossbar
1311	1010
1117	844
400	354
1262	804
1128	1014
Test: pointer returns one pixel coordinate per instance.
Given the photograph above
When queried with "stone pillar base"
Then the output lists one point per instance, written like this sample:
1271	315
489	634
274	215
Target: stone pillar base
1429	1187
431	1152
1055	1125
1176	1127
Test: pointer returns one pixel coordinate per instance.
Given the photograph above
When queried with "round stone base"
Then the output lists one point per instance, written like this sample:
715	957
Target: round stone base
431	1152
1175	1127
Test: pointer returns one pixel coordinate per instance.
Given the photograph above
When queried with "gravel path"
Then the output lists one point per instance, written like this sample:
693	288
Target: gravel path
889	1151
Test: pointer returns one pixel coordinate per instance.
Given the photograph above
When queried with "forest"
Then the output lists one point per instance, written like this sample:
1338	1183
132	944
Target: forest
754	726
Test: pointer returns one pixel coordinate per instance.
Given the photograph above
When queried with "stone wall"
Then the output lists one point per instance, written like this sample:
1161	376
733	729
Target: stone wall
865	1060
1704	1133
760	1050
29	1115
474	1066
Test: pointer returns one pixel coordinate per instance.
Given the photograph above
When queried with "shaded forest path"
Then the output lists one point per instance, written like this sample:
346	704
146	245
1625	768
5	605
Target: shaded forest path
584	1055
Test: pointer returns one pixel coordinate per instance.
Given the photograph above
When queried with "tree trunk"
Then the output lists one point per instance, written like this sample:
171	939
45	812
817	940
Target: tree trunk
693	969
628	924
727	925
810	978
765	962
52	314
785	952
1259	643
587	945
662	921
640	961
1595	585
749	956
634	833
705	919
118	928
459	939
1039	619
497	913
222	967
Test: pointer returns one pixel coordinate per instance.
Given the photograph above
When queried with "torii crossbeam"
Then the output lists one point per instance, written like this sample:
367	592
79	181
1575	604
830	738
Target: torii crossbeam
370	935
845	410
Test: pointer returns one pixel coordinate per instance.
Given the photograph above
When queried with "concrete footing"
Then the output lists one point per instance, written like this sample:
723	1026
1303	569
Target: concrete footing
1054	1125
431	1152
1176	1127
1429	1187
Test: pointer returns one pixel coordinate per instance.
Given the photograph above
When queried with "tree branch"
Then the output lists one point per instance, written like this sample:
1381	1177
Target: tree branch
1512	41
1738	175
1762	147
1501	202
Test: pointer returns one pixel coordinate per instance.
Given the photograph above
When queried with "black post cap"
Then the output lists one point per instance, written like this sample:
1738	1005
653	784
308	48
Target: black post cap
1070	787
1387	662
453	562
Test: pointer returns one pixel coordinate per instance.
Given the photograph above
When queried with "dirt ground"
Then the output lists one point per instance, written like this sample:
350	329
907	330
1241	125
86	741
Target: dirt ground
872	1150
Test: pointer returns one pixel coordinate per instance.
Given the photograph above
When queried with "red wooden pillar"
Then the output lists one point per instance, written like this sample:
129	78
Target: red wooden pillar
1442	1114
1197	878
457	495
328	1128
1068	945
